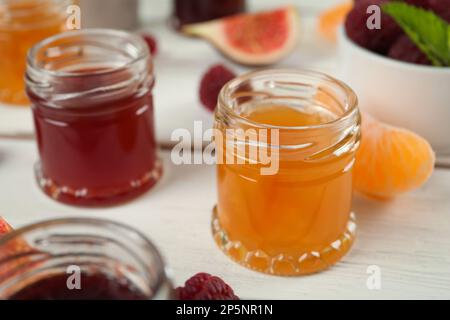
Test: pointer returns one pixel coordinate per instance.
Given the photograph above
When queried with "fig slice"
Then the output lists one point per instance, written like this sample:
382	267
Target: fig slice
254	39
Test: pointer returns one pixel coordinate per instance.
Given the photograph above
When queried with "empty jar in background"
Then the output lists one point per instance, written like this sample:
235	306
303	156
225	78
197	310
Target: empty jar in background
114	14
193	11
92	102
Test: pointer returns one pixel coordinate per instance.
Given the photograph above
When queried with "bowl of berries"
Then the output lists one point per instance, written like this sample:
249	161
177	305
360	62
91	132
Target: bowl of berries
396	55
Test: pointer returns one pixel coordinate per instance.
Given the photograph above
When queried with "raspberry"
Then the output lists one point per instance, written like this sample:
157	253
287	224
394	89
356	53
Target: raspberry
419	3
204	286
376	40
406	50
151	43
211	84
441	8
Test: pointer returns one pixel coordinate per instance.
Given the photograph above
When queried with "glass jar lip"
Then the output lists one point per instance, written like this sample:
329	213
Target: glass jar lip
160	265
350	110
137	41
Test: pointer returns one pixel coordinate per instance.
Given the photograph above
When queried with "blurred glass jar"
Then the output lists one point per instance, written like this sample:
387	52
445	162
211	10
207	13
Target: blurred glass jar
23	23
193	11
115	14
113	262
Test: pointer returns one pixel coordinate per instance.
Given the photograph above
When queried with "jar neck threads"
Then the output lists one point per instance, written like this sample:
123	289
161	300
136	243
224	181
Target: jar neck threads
117	64
305	91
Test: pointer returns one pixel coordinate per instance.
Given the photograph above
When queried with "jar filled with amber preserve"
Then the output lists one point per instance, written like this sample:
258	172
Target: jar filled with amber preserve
286	143
23	23
91	93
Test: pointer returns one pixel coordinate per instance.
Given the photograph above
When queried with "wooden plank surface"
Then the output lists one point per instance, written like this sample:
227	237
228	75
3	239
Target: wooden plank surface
408	238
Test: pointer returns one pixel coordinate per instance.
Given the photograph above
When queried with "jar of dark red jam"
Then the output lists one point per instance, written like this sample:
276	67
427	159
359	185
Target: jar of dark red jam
193	11
91	94
81	259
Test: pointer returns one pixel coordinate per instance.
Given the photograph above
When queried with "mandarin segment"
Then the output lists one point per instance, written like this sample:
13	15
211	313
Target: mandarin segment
331	19
391	160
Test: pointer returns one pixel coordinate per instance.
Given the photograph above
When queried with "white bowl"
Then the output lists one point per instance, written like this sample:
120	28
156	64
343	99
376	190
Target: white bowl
411	96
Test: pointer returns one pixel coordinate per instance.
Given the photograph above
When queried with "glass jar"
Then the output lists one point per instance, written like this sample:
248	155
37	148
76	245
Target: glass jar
92	102
193	11
286	143
24	23
80	258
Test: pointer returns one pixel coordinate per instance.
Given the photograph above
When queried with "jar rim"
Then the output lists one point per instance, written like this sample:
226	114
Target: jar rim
135	40
162	277
350	110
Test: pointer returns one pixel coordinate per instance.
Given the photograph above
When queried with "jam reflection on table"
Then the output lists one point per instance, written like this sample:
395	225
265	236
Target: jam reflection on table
192	11
95	286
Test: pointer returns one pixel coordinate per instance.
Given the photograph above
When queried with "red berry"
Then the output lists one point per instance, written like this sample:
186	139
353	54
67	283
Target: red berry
441	8
406	50
151	43
419	3
204	286
211	84
376	40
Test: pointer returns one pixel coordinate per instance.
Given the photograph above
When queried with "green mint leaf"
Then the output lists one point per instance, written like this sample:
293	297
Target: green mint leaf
448	39
427	30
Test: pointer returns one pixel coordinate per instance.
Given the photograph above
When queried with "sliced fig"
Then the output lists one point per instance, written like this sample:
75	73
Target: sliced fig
260	38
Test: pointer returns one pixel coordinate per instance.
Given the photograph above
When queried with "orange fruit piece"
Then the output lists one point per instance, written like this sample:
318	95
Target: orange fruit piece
391	160
331	19
4	227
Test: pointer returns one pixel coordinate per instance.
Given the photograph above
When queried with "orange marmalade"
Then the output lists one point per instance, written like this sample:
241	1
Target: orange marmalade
24	23
297	219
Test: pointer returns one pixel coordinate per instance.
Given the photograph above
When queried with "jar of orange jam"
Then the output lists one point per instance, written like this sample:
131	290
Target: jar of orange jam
23	23
295	217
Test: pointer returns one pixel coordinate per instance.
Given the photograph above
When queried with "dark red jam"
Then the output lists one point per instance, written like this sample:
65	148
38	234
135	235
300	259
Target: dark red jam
192	11
92	287
98	148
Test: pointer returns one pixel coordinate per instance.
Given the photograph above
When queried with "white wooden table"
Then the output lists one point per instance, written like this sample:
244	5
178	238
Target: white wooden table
408	239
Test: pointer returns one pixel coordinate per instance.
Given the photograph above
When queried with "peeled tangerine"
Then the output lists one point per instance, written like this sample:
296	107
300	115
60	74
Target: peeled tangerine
391	160
252	39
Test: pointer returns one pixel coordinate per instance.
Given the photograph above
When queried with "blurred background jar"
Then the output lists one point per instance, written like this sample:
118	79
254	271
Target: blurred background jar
23	23
111	261
193	11
115	14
